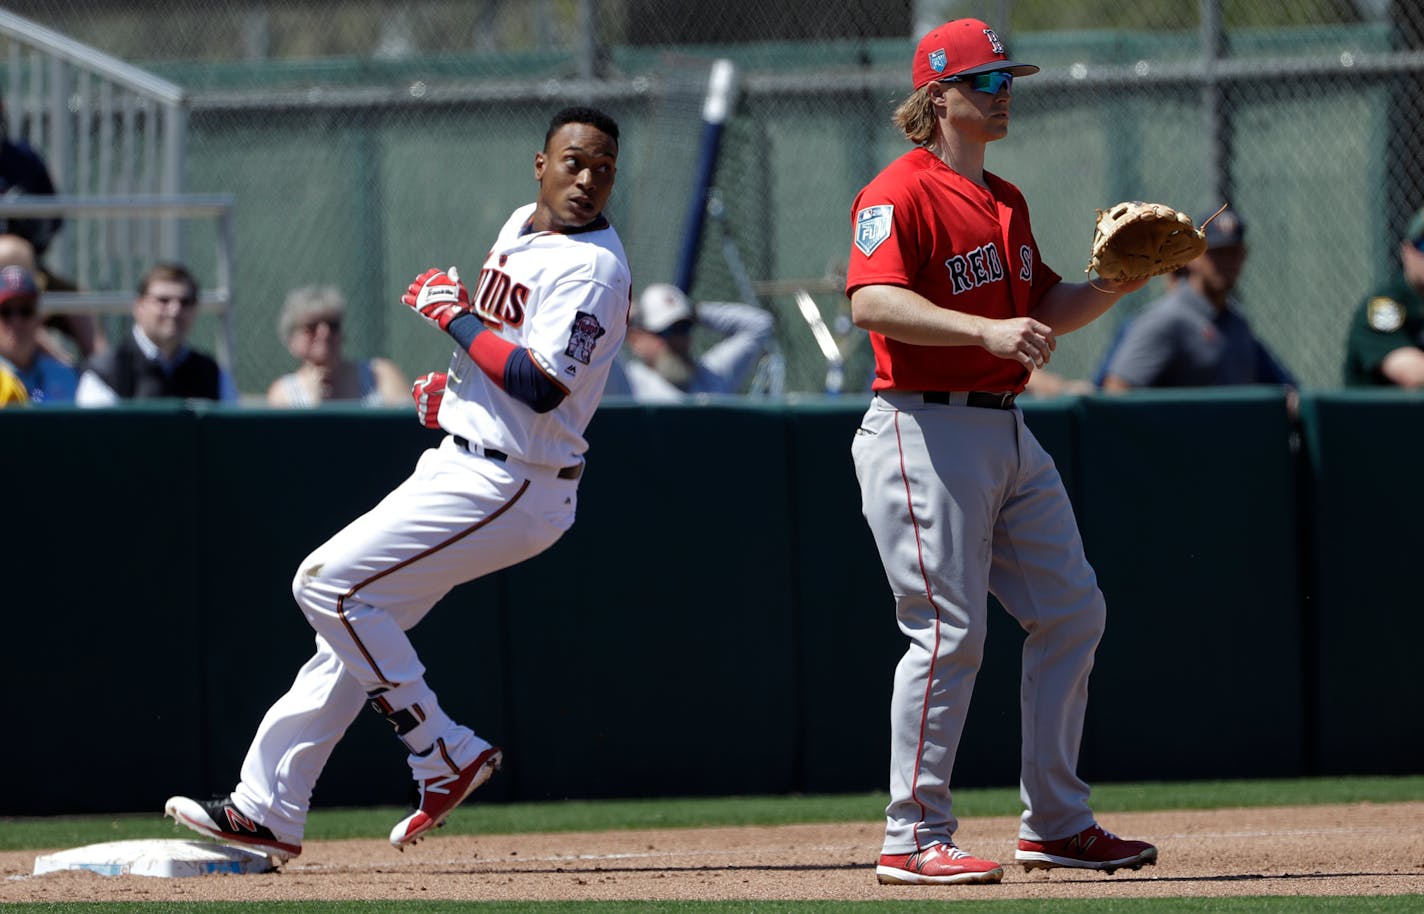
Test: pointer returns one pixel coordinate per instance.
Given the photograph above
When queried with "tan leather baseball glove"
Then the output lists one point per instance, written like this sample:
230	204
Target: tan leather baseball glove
1133	240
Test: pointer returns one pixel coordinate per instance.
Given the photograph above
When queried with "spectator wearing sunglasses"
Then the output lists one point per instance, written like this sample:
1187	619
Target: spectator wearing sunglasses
960	497
155	360
311	327
45	378
1386	342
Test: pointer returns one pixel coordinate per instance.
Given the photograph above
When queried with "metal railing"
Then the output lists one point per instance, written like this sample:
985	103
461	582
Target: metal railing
105	128
215	298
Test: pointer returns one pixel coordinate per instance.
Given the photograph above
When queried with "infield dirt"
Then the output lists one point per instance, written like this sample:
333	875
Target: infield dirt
1358	849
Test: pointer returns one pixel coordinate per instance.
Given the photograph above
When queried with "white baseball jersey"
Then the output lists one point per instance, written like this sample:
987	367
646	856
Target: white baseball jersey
564	297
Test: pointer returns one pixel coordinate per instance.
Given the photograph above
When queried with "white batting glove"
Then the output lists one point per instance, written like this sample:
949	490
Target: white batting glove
438	296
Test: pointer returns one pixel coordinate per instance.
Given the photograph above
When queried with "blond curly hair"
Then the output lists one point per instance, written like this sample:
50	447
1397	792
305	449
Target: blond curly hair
915	117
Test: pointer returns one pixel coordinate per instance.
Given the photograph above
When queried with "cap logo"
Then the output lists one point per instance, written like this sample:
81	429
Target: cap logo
938	61
994	42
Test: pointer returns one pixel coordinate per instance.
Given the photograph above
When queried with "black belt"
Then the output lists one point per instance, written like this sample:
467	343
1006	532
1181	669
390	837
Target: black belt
981	398
569	472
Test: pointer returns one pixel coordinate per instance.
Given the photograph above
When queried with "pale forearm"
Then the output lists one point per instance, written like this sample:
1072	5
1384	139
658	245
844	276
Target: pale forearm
911	318
1070	306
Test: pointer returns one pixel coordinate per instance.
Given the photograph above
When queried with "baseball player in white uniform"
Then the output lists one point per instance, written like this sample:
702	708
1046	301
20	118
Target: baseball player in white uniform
535	338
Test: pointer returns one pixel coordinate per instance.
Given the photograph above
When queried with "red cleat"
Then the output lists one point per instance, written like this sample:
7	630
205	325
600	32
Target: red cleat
938	863
1091	849
440	795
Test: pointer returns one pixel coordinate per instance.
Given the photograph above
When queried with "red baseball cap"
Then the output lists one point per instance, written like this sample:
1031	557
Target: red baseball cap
17	282
962	48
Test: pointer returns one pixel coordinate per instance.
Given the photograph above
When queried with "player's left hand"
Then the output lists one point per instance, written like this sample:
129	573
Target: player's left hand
438	296
1120	286
428	392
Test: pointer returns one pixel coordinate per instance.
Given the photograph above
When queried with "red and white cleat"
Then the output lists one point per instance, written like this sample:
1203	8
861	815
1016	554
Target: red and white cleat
441	794
1093	848
938	863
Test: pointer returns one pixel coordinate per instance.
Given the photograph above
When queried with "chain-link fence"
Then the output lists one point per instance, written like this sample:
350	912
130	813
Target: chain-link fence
364	141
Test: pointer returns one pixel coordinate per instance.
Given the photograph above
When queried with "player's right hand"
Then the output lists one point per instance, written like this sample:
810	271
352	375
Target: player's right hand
438	296
1021	339
428	392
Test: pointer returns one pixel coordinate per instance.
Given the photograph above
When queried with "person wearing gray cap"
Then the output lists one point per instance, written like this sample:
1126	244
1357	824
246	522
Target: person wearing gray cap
664	367
1386	342
1195	335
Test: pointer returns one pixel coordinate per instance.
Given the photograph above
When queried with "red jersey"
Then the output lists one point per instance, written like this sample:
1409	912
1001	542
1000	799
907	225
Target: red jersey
921	225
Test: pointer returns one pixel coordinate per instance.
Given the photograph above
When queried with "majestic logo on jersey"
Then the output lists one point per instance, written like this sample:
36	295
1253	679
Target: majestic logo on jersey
499	300
994	41
979	267
1025	263
872	226
583	336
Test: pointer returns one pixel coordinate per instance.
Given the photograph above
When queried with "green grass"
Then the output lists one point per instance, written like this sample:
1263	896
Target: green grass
514	818
475	818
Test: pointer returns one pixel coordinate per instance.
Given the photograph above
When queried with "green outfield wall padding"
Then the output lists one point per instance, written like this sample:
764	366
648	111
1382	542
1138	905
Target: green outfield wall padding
717	621
1364	615
1187	508
102	600
651	648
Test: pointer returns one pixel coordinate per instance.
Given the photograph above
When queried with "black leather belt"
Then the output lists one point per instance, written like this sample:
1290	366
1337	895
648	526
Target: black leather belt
981	398
569	472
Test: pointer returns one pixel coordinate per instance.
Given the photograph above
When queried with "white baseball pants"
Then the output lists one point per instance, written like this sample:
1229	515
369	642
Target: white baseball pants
458	517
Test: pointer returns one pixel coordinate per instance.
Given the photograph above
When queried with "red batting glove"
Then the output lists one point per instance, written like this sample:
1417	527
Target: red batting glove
428	392
438	296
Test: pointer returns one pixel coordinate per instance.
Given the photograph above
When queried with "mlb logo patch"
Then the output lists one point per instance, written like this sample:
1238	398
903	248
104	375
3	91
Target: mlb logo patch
938	61
872	226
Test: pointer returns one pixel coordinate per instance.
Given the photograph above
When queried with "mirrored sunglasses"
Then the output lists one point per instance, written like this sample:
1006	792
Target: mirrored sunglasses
989	83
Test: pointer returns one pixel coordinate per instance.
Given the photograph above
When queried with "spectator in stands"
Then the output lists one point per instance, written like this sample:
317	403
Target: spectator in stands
23	172
1194	335
12	389
155	359
46	380
1386	342
311	325
1044	384
663	367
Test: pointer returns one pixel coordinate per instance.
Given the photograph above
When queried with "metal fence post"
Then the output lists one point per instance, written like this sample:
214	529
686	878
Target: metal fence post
1215	106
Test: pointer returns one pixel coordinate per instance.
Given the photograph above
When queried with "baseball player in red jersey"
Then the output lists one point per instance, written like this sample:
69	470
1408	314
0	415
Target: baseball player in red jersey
534	343
962	500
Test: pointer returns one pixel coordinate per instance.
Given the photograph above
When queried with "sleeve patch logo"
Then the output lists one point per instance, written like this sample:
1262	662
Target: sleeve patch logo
583	337
872	226
1385	314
